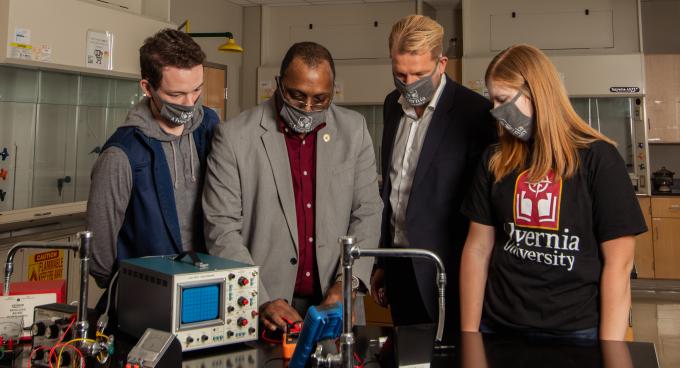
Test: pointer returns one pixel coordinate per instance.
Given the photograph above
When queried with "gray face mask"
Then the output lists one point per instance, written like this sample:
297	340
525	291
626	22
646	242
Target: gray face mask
513	120
419	92
174	113
300	121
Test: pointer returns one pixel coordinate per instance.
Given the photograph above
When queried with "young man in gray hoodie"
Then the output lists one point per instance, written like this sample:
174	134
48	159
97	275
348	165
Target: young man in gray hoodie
146	184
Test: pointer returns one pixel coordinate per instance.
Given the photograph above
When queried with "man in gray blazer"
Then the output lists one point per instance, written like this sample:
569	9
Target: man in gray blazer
285	180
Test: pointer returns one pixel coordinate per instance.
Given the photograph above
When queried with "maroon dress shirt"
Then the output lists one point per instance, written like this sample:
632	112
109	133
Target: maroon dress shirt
302	158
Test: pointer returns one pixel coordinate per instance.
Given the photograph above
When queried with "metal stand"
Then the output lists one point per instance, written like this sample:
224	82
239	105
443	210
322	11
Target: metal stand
348	253
90	347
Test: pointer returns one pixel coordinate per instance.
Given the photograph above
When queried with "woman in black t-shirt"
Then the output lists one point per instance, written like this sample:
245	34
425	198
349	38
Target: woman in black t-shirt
553	214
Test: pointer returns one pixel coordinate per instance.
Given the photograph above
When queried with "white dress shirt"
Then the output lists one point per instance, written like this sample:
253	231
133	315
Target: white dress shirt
407	146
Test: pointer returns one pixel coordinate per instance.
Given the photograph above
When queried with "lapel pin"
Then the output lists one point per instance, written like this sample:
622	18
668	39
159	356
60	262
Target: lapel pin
326	137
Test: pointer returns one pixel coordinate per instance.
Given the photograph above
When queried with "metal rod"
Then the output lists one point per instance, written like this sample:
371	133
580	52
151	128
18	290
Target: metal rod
211	34
9	264
347	337
84	253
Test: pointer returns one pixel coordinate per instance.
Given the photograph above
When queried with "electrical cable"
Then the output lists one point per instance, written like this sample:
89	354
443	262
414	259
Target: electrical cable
100	357
271	341
30	356
103	320
272	360
69	344
82	358
360	363
49	359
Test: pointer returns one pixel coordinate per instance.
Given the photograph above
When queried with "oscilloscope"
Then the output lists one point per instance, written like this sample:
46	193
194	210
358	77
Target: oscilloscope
210	302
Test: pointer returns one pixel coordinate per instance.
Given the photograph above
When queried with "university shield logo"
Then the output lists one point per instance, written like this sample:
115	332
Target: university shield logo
537	205
412	95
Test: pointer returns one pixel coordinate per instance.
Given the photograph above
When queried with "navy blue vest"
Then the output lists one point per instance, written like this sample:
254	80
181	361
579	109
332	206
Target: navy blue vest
151	225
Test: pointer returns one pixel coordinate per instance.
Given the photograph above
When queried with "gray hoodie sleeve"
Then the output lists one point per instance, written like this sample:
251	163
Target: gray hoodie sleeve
109	195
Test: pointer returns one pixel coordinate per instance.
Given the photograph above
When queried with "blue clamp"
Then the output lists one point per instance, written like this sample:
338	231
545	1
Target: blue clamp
321	323
4	153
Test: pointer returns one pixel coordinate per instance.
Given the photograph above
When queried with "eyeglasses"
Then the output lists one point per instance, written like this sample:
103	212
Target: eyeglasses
301	101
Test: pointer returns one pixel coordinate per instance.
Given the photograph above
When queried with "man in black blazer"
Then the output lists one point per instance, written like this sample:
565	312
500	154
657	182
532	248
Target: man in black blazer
435	132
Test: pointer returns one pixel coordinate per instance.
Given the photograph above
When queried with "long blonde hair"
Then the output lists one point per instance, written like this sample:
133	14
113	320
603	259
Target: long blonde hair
558	131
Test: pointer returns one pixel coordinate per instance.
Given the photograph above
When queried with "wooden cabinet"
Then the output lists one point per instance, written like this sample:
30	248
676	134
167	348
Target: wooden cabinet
644	246
666	237
662	85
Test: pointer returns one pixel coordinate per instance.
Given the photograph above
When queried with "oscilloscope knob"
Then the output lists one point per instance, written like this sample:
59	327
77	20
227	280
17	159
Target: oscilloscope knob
243	301
39	329
242	322
52	332
242	281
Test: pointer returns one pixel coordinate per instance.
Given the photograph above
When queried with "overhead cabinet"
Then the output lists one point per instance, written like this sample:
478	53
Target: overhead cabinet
52	128
662	83
594	31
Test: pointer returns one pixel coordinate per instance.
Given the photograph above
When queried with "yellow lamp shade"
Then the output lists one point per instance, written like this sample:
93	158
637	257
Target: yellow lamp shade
230	46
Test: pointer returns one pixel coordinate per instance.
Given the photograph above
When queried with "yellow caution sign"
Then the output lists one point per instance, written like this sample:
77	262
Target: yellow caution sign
46	266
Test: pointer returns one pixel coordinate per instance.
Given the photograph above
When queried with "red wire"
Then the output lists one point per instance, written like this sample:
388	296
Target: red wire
30	357
271	341
82	358
361	362
49	359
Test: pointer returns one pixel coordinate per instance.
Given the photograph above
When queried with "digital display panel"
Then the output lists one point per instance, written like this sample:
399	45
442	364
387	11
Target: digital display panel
200	303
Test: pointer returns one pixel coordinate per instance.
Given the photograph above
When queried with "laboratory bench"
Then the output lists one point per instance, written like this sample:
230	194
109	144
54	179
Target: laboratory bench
476	351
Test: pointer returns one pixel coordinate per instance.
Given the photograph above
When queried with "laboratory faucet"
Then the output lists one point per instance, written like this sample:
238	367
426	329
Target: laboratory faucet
349	252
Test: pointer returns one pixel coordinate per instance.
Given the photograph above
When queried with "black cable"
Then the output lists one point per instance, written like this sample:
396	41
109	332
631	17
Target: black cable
272	360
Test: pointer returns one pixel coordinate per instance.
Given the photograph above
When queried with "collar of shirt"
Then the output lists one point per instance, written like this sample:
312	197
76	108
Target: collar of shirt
410	111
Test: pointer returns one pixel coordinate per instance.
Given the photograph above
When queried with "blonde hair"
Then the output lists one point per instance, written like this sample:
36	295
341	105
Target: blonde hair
558	132
415	34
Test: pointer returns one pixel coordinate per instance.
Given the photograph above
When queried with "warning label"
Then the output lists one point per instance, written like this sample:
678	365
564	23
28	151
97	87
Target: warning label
46	266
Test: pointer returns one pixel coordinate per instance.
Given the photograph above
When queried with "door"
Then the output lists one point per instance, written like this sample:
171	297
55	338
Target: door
55	138
214	90
95	94
613	117
662	83
18	96
666	248
644	248
103	106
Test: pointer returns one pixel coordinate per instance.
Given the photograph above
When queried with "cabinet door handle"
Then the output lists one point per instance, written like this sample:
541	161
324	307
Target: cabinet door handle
674	207
656	232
